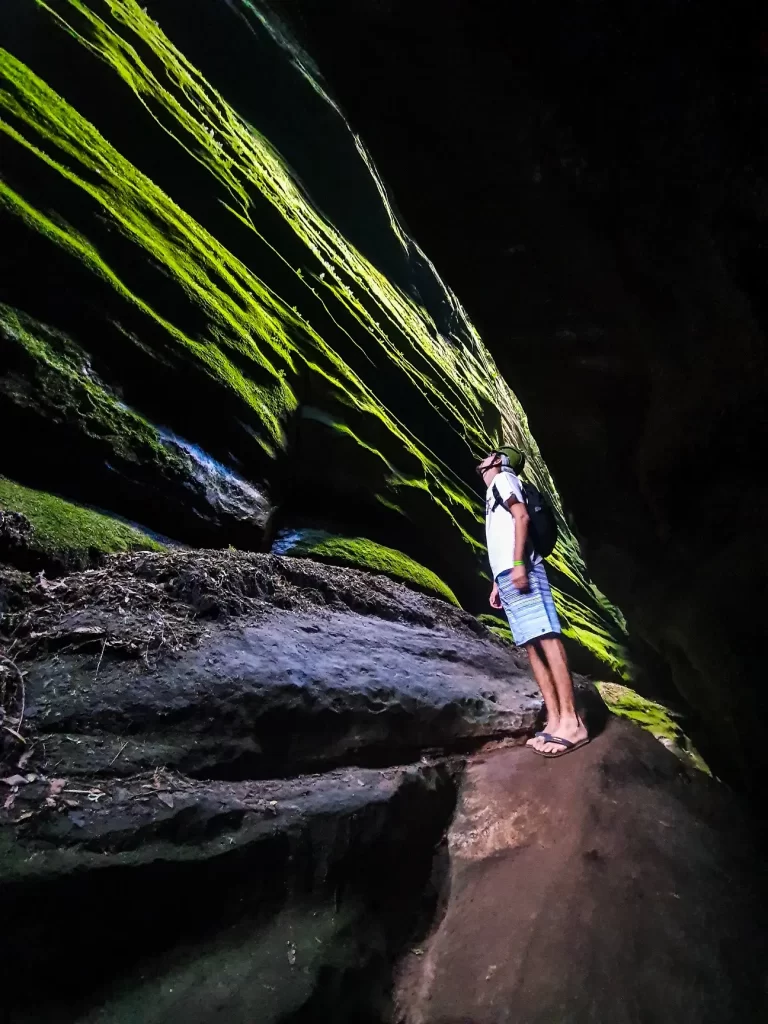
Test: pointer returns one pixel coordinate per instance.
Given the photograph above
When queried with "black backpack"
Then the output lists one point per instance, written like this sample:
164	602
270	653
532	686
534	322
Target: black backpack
542	526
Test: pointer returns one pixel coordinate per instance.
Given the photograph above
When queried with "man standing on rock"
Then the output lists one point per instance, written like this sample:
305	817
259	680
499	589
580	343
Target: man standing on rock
521	588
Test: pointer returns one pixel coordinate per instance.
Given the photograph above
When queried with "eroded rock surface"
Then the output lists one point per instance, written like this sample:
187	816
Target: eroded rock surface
270	697
231	802
146	831
242	666
168	900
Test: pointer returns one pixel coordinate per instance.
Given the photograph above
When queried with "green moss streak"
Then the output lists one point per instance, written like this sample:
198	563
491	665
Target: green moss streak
655	718
361	553
210	130
503	633
61	384
581	623
497	626
59	527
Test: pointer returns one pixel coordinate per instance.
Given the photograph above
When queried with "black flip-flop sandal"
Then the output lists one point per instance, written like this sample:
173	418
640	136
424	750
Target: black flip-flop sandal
568	746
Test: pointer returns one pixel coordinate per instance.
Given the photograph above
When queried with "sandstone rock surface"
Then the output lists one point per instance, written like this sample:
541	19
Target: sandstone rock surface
609	886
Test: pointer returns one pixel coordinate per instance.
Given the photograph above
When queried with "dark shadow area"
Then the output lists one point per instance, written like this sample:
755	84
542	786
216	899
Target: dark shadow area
365	996
227	922
386	754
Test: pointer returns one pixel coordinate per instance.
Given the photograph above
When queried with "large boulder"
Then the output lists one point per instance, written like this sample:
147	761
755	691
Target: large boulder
229	665
229	779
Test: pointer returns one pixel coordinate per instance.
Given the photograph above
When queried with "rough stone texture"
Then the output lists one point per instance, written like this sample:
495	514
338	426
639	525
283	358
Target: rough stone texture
232	665
163	858
279	695
167	900
611	886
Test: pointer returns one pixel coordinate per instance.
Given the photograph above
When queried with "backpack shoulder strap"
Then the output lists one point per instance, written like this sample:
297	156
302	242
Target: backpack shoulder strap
497	499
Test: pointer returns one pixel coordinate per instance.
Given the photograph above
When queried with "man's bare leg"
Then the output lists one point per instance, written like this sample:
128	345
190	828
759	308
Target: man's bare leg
569	726
546	684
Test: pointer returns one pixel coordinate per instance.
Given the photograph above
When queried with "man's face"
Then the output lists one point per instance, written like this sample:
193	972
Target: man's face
489	467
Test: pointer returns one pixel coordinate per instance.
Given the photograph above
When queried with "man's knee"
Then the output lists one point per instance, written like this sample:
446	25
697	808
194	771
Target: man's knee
535	650
551	641
538	642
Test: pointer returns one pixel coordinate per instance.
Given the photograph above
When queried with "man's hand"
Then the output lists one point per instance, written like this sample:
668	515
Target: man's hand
520	579
495	600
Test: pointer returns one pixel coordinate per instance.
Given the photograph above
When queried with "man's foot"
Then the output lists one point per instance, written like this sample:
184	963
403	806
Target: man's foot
551	726
563	746
572	730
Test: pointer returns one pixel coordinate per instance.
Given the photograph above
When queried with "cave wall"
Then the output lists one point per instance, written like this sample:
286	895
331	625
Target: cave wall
594	180
213	322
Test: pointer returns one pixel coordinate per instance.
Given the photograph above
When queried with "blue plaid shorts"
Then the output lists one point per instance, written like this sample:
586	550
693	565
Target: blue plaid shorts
533	614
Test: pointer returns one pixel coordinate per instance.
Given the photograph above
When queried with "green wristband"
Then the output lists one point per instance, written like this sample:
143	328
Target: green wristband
517	563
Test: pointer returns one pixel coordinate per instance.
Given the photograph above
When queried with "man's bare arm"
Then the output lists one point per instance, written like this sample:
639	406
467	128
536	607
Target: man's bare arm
520	513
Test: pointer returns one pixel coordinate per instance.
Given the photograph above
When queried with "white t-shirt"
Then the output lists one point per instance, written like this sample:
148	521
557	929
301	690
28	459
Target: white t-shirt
500	524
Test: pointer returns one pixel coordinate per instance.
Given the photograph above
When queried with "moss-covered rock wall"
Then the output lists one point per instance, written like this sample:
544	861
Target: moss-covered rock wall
213	321
39	530
606	168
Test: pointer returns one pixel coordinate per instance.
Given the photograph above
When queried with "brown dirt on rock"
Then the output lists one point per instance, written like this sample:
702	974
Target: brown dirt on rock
144	601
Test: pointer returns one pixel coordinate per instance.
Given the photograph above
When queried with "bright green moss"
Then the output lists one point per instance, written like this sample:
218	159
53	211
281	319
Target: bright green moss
655	718
58	381
61	528
497	626
490	620
502	632
251	340
361	553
